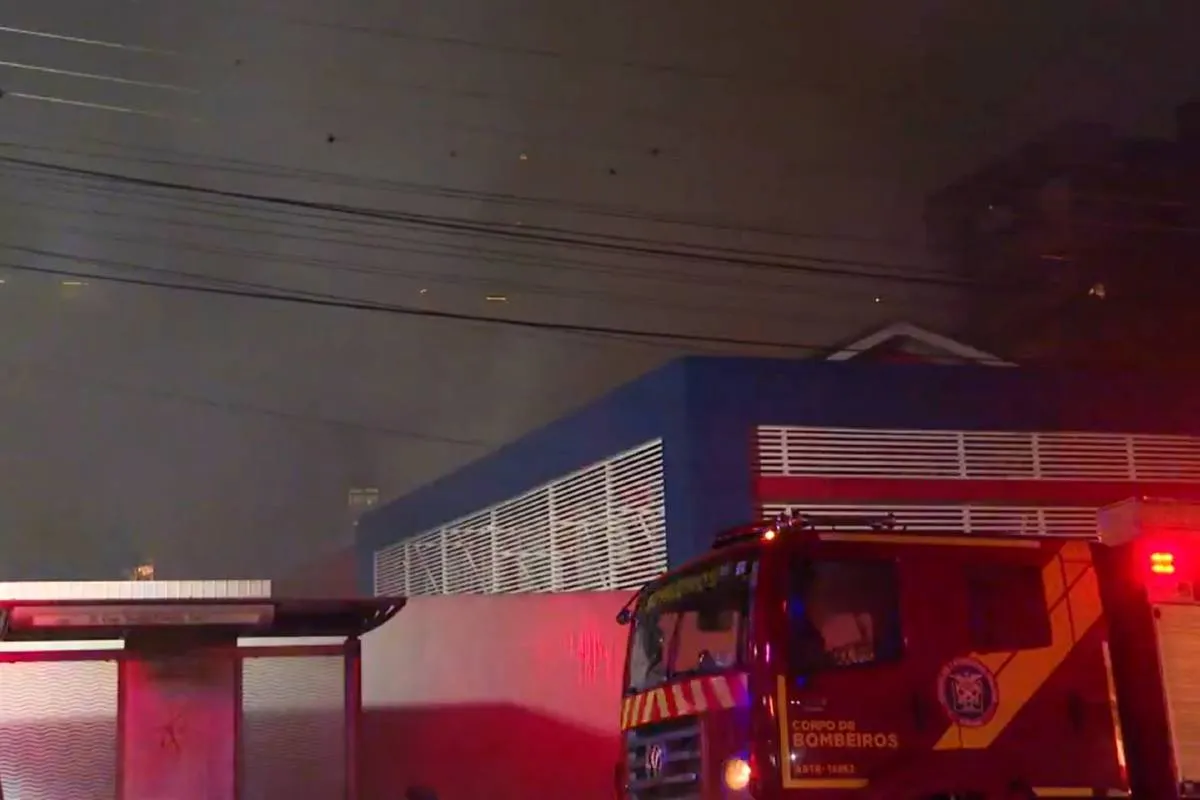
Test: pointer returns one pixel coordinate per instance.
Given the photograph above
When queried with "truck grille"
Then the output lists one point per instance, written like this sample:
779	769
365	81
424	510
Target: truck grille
665	760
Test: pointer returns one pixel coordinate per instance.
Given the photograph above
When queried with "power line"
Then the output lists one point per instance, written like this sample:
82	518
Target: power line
391	33
812	264
586	337
533	233
95	76
392	86
425	248
426	278
280	295
132	48
326	178
666	148
266	292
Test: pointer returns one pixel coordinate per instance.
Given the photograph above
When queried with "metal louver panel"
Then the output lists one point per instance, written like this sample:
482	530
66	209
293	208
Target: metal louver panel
601	527
293	724
1007	520
1178	635
58	730
879	453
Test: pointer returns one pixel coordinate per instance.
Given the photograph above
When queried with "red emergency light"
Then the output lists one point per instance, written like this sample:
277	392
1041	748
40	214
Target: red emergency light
1167	571
1162	563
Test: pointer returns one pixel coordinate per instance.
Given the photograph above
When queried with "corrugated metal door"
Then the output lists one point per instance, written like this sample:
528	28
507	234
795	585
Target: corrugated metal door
293	728
1178	651
58	730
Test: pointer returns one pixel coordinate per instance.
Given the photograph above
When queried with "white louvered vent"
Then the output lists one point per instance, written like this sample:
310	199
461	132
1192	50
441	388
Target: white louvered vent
601	527
871	453
993	520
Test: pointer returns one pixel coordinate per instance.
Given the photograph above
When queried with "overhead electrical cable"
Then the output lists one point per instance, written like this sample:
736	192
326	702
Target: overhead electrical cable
534	233
650	113
587	337
132	48
325	178
391	244
283	295
813	264
393	33
426	278
96	76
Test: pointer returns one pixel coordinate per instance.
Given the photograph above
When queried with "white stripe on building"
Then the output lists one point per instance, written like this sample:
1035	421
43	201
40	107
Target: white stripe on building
975	455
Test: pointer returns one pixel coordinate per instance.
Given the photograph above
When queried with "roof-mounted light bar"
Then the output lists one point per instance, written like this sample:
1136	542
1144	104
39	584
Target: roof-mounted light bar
837	522
789	521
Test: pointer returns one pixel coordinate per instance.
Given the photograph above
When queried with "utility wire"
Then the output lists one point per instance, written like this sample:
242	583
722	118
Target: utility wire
584	337
325	179
394	34
282	295
424	279
351	238
649	113
209	278
671	148
131	48
95	76
546	235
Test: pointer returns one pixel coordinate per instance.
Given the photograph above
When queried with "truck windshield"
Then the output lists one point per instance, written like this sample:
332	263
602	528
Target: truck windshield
692	623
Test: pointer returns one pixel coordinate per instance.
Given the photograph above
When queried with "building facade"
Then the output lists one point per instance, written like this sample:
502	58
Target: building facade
641	479
1082	242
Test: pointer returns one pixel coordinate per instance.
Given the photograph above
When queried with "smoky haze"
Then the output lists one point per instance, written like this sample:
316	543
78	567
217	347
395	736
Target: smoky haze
219	435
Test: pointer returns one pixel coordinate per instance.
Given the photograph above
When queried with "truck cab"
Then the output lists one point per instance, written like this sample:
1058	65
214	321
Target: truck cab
826	657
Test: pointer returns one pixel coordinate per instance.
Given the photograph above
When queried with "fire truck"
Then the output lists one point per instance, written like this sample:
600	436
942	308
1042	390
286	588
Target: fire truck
836	657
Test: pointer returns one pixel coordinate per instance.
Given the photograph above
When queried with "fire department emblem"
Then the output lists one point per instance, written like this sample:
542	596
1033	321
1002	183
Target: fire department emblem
656	759
968	691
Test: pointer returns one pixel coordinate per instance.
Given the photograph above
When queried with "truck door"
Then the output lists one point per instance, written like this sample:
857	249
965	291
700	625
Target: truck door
1027	698
845	719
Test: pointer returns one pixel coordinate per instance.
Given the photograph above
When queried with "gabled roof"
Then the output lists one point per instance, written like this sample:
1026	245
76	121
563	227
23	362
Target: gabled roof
901	332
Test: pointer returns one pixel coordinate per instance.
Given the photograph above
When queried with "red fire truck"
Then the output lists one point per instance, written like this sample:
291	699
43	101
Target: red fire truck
825	657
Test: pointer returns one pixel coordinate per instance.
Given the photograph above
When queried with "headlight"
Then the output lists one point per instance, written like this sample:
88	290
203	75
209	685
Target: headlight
737	774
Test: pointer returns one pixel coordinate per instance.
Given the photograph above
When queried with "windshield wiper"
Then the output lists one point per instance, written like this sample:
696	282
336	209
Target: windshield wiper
676	674
692	672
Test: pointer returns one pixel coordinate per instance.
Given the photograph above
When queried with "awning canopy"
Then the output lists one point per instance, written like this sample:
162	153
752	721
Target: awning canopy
77	620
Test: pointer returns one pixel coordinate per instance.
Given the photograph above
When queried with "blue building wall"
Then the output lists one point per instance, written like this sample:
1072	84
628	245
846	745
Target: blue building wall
728	397
653	406
705	409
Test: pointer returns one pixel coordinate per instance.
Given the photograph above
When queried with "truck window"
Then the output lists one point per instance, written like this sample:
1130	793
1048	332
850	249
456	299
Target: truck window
692	624
1006	607
844	613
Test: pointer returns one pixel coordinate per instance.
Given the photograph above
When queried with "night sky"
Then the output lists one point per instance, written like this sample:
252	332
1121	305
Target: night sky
218	435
